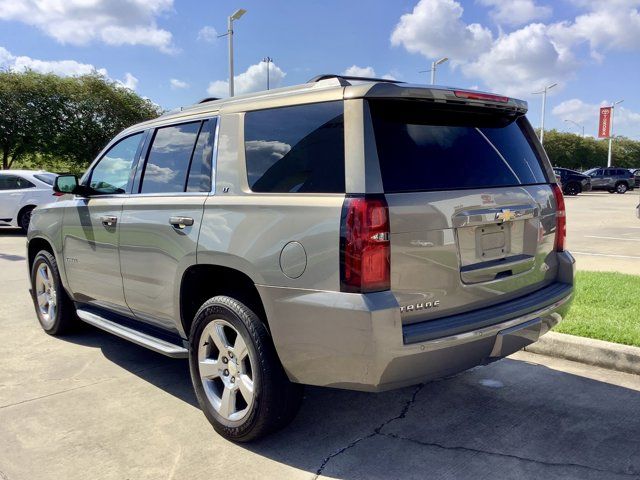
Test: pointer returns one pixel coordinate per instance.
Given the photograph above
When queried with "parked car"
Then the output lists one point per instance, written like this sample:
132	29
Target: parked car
611	179
636	176
572	182
20	192
348	233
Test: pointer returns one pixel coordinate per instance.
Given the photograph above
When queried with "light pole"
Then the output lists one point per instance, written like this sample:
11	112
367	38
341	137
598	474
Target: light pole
433	69
611	131
544	106
577	125
268	60
236	15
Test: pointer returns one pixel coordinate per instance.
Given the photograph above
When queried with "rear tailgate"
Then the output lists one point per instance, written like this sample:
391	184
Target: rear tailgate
472	213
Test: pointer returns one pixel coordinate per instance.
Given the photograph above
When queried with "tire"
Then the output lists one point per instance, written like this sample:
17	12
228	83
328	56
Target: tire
25	218
572	189
54	308
243	389
621	188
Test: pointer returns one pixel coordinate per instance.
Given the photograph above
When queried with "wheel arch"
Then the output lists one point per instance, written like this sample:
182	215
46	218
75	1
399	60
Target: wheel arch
205	280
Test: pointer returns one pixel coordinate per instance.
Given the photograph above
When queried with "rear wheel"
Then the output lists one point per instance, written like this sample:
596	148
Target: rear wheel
25	218
621	187
572	189
237	376
54	308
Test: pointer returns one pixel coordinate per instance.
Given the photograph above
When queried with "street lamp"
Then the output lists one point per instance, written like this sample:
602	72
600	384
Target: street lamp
268	60
577	125
611	131
236	15
544	105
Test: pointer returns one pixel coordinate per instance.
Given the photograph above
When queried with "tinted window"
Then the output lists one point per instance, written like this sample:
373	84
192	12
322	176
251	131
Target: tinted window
296	149
200	171
13	182
423	147
47	178
168	159
112	173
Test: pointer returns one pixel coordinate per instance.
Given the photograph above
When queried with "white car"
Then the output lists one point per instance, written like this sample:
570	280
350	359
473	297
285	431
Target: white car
20	192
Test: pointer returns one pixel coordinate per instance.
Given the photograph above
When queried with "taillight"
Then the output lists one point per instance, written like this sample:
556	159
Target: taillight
561	218
364	245
57	194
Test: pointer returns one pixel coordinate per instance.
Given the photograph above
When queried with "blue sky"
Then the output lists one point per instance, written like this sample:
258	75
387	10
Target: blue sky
168	51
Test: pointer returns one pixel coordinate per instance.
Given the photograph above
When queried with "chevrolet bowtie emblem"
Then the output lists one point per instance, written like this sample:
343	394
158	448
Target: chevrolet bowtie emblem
505	215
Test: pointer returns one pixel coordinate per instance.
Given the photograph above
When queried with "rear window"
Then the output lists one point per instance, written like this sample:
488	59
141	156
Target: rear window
296	149
424	147
47	178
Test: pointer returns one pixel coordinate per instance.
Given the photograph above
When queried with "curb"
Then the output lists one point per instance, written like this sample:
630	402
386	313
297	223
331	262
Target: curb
612	356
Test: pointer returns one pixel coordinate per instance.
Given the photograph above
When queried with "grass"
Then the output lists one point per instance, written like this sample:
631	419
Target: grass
606	307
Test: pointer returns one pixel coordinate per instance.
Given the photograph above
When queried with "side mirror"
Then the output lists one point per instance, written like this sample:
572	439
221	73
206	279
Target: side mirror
66	184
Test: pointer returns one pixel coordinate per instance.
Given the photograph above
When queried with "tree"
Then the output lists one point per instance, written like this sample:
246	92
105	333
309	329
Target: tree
71	118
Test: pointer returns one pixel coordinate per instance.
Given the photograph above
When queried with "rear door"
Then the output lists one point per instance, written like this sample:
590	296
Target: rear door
13	189
161	219
472	211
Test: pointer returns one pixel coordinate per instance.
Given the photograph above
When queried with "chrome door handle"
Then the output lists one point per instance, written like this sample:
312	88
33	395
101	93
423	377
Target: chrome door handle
180	222
109	220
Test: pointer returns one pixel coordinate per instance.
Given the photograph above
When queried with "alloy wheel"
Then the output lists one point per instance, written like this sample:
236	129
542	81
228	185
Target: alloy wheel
226	370
46	296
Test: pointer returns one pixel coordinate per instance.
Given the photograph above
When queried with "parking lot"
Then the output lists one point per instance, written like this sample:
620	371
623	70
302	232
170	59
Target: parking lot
94	406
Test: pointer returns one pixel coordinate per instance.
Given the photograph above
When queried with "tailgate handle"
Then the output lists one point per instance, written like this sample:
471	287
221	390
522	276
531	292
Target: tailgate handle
484	216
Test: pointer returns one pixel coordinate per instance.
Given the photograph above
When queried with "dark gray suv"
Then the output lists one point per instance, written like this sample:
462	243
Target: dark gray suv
611	179
351	233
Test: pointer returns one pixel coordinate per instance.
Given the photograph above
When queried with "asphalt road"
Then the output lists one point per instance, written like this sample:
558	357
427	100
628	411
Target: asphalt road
603	232
94	406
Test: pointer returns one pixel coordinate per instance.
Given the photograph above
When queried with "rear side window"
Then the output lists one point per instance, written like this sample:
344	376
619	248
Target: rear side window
200	170
296	149
423	147
13	182
168	160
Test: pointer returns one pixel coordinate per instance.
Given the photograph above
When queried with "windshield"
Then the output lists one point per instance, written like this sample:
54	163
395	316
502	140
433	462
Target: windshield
425	147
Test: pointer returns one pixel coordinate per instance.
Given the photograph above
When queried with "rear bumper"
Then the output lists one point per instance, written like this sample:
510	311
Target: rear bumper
358	341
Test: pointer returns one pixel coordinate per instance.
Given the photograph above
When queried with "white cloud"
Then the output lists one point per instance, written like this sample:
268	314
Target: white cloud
79	22
522	62
356	71
253	80
208	34
129	81
626	122
64	68
516	12
178	84
435	29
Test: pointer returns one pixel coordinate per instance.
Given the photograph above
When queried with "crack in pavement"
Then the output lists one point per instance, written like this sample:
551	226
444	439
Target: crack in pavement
376	431
508	455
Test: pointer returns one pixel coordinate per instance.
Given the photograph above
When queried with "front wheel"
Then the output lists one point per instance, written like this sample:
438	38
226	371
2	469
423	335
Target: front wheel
54	308
237	376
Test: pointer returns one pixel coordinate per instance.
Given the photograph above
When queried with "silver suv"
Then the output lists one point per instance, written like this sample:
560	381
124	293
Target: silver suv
351	233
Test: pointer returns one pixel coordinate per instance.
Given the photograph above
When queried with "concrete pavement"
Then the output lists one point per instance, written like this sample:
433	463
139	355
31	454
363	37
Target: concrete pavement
603	231
94	406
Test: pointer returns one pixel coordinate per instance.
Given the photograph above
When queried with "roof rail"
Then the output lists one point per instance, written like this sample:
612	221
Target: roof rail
208	99
344	79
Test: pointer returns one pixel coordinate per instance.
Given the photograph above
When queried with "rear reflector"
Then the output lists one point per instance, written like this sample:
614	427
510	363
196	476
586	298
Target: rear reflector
364	245
480	96
561	218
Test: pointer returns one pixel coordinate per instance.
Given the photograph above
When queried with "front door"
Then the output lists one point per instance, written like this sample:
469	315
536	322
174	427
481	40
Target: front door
91	228
161	222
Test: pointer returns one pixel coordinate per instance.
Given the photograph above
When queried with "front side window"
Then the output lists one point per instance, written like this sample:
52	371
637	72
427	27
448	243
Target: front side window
296	149
168	159
112	173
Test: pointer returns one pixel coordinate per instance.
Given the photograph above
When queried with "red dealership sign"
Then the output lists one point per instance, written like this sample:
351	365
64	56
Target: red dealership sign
604	126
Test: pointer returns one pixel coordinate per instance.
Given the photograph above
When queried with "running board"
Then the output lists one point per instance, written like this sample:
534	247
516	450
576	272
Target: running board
152	343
